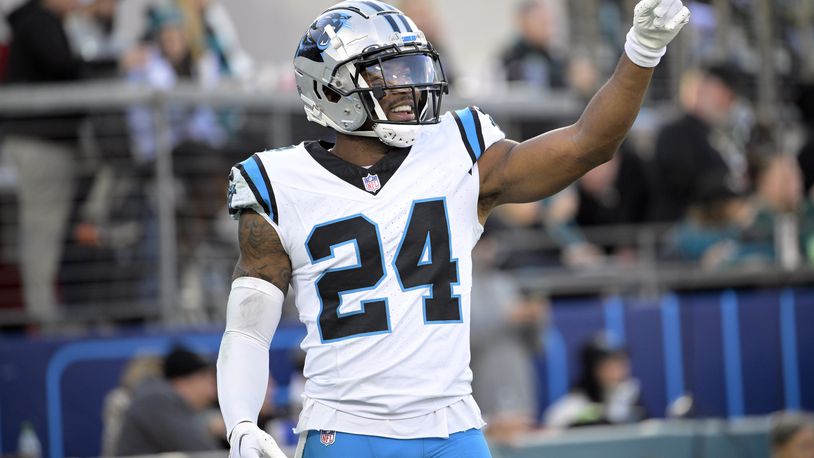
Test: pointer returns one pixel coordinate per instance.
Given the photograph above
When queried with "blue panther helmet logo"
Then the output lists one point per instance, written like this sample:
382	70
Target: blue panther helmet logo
316	39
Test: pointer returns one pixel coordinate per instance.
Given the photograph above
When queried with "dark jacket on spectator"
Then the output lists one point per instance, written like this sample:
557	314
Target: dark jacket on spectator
625	203
684	157
40	53
534	65
806	160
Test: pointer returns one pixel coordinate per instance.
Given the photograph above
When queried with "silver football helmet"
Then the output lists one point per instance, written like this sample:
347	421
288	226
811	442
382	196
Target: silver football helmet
364	68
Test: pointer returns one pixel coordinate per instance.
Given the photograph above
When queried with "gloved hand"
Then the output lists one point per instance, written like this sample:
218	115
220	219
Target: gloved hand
249	441
655	24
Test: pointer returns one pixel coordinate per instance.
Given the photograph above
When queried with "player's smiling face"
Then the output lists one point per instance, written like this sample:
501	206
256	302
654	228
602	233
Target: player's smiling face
398	104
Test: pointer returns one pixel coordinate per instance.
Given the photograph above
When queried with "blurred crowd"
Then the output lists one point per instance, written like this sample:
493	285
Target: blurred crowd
720	183
86	181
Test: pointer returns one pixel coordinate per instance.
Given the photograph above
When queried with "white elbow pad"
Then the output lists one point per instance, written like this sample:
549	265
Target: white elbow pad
252	315
254	309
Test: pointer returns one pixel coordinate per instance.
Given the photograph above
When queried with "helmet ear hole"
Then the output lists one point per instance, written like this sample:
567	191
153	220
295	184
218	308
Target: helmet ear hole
330	94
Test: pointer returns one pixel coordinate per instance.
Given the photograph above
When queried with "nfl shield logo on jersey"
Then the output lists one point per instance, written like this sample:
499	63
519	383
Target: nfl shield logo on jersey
327	437
372	183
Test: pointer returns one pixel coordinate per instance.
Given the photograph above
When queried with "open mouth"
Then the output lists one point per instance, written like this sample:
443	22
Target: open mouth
402	112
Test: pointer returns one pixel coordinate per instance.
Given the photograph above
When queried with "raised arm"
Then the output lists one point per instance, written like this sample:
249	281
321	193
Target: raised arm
255	303
543	165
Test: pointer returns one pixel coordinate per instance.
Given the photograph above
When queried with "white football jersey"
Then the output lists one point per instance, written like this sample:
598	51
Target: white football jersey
381	263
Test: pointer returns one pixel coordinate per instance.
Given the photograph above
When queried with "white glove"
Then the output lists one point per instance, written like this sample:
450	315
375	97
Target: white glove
249	441
655	24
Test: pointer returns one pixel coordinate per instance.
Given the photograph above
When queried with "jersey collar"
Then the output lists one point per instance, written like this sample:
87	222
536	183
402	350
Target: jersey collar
352	173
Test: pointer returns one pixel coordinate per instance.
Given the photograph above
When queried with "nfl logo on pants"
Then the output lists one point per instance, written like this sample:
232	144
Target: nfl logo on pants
327	437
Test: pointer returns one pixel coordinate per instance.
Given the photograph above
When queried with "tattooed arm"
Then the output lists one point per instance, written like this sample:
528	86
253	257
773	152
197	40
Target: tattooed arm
261	252
255	304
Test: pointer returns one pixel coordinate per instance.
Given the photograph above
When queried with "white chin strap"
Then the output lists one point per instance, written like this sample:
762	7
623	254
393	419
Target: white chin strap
399	136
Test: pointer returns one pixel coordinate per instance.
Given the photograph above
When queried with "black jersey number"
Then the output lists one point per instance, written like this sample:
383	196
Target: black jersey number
423	260
333	283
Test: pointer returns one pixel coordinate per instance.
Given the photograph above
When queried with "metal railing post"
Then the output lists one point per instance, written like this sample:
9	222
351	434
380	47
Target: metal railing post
767	106
165	190
723	18
280	128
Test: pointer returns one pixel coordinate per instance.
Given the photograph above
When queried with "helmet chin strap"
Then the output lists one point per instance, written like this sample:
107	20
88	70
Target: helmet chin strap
399	136
389	134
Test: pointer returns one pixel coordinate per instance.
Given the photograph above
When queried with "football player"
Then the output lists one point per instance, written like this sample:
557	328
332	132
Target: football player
374	234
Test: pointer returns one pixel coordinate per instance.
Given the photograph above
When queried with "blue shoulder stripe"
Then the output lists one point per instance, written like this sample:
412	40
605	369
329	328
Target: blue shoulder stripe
255	174
469	125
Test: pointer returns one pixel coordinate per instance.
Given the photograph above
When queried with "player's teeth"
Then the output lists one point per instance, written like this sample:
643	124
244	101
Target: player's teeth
402	109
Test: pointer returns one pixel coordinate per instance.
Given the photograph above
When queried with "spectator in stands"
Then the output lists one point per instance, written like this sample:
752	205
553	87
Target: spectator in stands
698	145
92	32
779	194
42	147
615	192
533	59
792	436
805	158
543	234
118	400
714	231
560	212
170	60
606	392
505	335
168	414
209	30
5	38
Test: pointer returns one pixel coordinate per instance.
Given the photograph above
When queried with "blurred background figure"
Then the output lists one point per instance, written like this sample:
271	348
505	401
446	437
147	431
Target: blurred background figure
783	208
94	32
197	139
805	103
208	29
533	59
606	392
505	332
805	158
699	146
792	436
169	60
173	413
43	148
118	401
5	38
615	193
713	231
